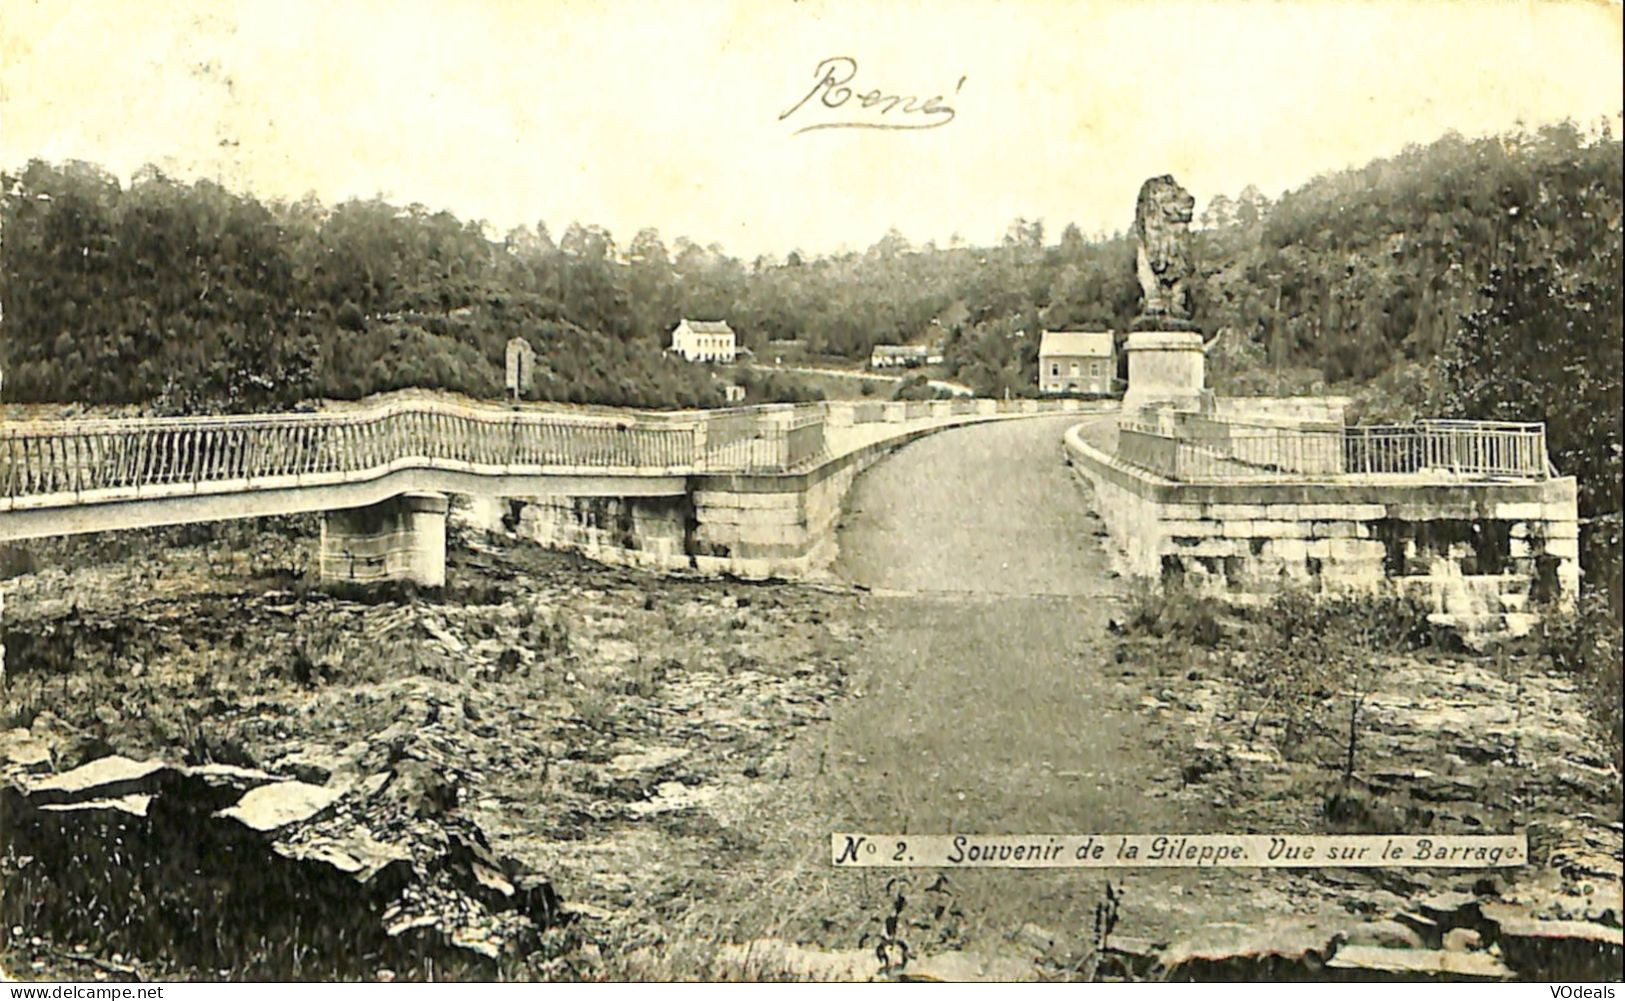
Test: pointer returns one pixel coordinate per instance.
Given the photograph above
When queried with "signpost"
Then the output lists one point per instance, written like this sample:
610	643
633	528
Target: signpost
521	364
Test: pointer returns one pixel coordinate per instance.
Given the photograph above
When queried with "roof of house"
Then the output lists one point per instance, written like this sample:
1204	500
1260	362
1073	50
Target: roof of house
902	350
1076	342
709	326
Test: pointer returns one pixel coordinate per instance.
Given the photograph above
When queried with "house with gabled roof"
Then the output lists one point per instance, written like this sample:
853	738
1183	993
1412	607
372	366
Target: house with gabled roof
705	340
1076	361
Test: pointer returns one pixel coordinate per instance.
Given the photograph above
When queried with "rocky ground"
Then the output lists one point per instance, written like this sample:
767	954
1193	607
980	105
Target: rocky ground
559	770
543	703
1446	743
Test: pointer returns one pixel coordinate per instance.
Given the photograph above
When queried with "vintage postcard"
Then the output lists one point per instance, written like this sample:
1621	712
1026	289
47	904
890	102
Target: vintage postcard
810	490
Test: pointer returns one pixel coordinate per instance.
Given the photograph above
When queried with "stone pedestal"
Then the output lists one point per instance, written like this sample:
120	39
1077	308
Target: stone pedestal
1165	368
403	538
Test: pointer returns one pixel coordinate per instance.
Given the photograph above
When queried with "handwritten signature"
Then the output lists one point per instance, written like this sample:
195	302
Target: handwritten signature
833	90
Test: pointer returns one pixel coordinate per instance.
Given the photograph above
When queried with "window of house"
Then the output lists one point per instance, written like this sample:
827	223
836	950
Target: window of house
1055	368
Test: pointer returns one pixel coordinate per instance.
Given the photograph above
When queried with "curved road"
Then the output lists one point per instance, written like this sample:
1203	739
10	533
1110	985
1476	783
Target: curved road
988	509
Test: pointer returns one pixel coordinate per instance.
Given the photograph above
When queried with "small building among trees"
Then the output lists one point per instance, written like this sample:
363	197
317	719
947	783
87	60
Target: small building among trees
1076	361
904	355
705	340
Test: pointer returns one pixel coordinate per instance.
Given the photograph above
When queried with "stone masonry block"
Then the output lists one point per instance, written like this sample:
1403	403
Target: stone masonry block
749	516
724	498
714	533
711	564
1568	528
757	569
1342	512
1355	549
1568	549
1554	511
1518	510
1362	512
1289	550
1275	529
1183	512
785	535
1334	529
1442	510
1283	512
1237	512
1190	528
1205	547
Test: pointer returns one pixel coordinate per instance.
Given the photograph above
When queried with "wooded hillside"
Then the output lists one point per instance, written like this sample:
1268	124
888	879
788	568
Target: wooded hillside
1470	277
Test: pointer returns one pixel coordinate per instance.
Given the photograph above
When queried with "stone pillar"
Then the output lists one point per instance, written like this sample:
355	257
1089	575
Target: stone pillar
1164	367
403	538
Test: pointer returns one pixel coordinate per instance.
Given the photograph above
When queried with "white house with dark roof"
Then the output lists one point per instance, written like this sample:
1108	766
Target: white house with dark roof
1076	361
705	340
899	355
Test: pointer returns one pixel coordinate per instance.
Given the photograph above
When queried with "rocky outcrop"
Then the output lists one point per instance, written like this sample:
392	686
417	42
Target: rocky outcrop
1450	936
222	868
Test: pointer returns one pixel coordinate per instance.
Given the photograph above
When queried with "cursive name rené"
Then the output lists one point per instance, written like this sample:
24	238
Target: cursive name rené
871	109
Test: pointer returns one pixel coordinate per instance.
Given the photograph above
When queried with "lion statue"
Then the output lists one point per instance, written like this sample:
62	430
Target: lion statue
1162	218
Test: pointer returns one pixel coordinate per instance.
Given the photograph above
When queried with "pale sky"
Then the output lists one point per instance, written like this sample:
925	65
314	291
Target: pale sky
634	113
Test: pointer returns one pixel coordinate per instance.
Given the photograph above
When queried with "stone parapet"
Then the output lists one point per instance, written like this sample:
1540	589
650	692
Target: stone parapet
1482	554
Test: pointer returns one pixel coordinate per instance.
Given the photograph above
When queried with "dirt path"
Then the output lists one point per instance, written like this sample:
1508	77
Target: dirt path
988	700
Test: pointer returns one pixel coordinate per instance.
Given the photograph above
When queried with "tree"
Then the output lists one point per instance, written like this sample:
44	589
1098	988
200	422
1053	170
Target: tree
1221	211
1546	346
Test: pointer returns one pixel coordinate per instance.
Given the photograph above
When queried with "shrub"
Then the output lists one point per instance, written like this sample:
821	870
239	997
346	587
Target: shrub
1369	623
1173	613
1587	644
349	317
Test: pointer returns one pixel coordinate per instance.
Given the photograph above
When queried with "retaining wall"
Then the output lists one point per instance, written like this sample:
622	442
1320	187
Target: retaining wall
748	525
751	525
1488	556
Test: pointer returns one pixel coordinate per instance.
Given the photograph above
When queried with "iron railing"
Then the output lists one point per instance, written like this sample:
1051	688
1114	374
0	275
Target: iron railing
1462	448
72	460
804	440
1192	447
775	438
80	456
